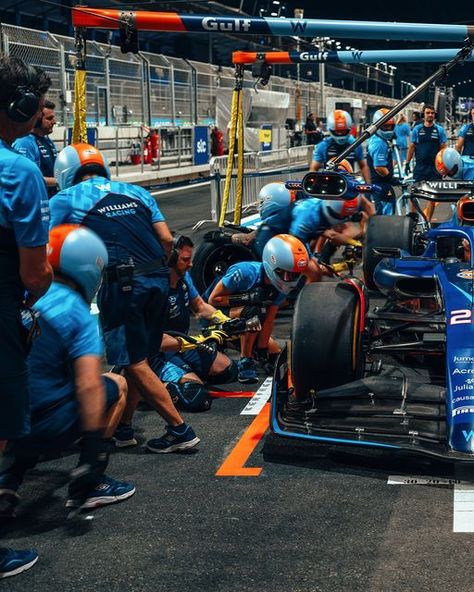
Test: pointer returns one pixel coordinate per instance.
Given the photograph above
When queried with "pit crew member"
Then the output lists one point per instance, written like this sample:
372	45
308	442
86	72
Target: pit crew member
41	149
465	141
134	296
248	288
339	124
380	159
69	397
449	163
25	273
427	139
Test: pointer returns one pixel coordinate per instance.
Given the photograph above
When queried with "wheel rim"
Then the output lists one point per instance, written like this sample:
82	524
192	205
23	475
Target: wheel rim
219	262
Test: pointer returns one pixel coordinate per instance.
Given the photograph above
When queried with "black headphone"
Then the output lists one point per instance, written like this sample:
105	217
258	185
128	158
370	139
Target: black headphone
177	245
25	101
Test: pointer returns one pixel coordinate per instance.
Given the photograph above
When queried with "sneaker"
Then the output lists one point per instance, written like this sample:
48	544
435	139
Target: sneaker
247	371
124	436
173	441
109	491
13	562
9	500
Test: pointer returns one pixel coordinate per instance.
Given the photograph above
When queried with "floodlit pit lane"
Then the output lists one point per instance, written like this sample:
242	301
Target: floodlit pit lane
298	518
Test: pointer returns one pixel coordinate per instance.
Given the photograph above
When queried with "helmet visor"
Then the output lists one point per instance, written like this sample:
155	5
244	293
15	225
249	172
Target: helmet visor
287	276
388	127
340	133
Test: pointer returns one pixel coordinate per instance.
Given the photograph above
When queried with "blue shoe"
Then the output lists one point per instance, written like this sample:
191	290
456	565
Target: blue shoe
124	436
109	491
173	441
14	562
247	371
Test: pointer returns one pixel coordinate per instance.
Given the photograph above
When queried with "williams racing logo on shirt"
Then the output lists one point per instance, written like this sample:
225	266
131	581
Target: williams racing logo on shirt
120	207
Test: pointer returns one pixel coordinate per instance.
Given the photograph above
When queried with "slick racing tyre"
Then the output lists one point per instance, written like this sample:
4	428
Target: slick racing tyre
385	231
212	259
326	343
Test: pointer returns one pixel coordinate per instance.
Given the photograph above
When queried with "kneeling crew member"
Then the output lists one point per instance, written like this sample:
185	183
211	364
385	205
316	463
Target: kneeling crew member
251	287
133	299
69	397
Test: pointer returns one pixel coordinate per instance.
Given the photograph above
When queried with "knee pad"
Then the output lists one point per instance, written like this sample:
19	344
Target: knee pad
189	396
226	376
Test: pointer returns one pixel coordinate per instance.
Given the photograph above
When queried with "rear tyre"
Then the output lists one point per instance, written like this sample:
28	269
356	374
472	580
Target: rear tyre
385	231
326	347
212	259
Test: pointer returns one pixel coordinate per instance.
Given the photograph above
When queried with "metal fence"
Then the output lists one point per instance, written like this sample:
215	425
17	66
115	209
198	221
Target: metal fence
149	89
260	168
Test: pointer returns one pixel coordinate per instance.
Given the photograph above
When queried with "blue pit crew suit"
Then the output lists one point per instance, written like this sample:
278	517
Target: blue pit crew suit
467	132
123	216
68	332
380	154
427	142
23	223
328	149
171	367
40	150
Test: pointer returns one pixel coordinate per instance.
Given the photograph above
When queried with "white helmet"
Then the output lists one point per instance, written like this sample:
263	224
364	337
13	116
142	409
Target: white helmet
339	125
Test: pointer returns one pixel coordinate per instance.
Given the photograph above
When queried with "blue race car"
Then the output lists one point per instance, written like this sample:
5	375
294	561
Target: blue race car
398	375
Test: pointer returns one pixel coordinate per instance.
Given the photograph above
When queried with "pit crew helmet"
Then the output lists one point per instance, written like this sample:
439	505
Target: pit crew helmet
77	159
339	125
387	131
449	163
273	198
284	259
79	254
337	212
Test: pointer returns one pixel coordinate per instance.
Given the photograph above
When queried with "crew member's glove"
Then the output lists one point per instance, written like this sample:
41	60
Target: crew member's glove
93	461
202	342
407	168
219	317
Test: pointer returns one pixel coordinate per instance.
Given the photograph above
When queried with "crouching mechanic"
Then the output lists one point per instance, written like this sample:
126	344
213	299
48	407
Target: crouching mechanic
380	159
251	288
133	299
339	126
449	163
183	372
69	397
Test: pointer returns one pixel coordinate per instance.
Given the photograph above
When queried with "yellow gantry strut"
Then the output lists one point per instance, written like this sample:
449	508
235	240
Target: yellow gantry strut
79	130
236	130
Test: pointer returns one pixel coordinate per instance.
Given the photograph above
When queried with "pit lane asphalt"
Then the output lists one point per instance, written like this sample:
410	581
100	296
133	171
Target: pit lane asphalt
311	522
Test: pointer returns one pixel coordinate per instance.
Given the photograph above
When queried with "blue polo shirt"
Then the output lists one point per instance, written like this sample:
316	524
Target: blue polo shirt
68	332
248	275
24	216
427	142
468	168
402	133
121	214
467	132
328	148
179	305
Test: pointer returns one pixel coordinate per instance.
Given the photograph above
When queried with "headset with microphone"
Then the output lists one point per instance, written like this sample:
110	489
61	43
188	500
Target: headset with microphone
25	102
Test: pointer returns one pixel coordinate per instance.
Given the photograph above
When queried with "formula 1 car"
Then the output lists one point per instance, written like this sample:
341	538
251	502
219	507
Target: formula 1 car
398	375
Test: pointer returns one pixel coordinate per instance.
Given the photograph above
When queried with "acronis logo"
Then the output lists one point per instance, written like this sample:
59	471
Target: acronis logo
468	436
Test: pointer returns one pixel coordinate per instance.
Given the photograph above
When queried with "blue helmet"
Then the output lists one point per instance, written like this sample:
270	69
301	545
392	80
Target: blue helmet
339	125
273	198
76	160
387	131
284	259
79	254
449	163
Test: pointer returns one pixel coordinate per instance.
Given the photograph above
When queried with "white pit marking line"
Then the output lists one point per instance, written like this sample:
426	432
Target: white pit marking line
257	402
463	502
